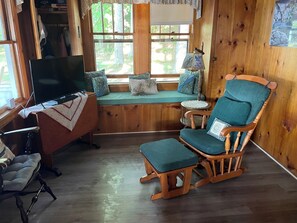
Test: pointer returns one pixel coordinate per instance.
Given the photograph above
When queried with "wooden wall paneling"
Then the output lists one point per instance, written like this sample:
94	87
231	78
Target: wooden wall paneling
88	42
276	131
74	27
171	114
223	41
139	118
167	86
152	117
161	87
35	29
141	37
274	63
203	29
110	119
132	118
243	19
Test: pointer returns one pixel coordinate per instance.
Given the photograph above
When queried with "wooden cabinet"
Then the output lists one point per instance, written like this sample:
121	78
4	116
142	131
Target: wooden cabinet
62	29
53	136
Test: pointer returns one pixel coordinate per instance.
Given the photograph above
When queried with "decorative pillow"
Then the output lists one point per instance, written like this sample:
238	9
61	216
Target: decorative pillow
198	82
139	77
143	86
186	82
146	75
216	128
89	76
100	85
5	152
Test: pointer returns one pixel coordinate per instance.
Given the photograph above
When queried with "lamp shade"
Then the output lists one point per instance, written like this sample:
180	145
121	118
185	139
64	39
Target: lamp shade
193	61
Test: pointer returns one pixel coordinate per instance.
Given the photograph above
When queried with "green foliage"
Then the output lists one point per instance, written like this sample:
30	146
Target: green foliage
96	17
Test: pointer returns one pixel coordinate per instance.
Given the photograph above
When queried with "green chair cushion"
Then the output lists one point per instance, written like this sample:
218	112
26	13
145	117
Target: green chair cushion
168	154
202	141
251	92
230	111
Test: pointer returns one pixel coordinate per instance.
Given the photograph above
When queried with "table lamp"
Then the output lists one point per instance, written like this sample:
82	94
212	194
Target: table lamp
193	61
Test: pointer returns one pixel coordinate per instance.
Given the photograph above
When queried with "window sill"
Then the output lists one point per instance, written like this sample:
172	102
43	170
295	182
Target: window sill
114	81
9	114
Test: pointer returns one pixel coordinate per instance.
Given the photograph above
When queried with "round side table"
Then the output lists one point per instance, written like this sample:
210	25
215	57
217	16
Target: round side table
192	105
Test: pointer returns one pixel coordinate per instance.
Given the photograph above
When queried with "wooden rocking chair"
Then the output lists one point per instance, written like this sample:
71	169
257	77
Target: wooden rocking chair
230	124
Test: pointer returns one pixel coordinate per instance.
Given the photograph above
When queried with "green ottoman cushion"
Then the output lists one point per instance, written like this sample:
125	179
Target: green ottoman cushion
168	154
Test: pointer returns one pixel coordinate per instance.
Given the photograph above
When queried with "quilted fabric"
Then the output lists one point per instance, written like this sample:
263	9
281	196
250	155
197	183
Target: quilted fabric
186	82
100	85
89	76
18	173
168	154
143	86
198	82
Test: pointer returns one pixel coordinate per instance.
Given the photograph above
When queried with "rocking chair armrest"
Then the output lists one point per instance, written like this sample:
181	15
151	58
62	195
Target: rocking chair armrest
190	113
244	128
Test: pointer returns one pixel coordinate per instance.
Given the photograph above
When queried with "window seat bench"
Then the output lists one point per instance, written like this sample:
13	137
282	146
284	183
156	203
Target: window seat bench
125	98
121	112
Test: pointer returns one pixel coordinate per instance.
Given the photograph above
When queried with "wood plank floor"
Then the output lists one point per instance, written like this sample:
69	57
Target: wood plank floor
103	186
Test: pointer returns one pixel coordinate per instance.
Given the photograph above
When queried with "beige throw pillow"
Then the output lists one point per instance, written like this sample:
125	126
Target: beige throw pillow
143	86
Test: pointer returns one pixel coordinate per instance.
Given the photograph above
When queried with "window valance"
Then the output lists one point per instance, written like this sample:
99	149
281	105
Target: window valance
86	4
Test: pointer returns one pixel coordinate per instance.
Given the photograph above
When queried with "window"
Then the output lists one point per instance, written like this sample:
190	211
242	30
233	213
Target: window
169	45
9	72
113	37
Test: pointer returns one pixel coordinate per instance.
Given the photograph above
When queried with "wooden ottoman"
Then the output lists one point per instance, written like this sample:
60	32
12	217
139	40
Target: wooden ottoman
168	159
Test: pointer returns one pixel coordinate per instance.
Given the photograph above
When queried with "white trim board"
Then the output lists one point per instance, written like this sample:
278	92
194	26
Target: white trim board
271	157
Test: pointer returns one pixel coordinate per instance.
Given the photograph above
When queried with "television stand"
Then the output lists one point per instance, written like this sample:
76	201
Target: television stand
66	98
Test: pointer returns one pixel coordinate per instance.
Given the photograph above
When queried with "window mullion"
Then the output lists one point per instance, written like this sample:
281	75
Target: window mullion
112	13
123	20
102	19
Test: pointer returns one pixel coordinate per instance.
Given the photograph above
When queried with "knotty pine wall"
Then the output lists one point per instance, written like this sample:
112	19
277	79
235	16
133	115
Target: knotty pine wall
240	44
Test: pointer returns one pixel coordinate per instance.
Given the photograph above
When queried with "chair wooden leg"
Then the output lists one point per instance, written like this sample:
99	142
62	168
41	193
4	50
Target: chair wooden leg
168	184
149	171
172	181
164	188
209	172
148	167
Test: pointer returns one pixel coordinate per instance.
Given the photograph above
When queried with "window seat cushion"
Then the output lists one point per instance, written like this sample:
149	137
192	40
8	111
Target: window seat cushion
124	98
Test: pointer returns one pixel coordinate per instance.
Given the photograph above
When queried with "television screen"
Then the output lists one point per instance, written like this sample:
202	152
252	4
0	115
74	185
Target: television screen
56	77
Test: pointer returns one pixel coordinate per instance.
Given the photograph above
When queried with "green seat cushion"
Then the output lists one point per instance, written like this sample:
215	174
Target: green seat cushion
168	154
125	98
202	141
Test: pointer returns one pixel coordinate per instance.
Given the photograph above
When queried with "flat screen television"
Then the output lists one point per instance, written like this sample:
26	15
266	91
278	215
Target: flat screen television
57	77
